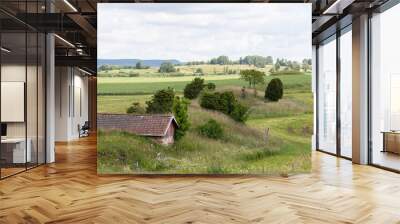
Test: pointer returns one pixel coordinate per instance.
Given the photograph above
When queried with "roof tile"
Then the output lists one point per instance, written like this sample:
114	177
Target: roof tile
145	125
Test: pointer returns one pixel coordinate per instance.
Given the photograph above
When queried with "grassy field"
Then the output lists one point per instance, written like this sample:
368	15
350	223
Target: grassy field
182	70
244	148
156	79
119	104
148	85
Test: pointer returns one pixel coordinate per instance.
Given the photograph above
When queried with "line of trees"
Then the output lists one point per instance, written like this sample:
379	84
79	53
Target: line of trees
258	61
113	67
255	60
305	65
138	65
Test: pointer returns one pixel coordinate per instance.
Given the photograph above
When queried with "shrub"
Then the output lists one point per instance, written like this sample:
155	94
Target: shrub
210	101
210	86
161	102
223	102
193	89
181	116
240	113
211	129
274	90
226	103
135	109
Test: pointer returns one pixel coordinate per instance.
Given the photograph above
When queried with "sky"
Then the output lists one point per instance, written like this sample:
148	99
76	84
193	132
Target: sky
193	32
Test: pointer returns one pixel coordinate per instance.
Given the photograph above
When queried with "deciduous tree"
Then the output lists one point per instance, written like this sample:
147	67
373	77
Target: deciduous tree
253	77
161	102
167	67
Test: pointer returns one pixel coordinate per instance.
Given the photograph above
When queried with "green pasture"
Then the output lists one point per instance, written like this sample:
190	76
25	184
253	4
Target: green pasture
148	85
182	70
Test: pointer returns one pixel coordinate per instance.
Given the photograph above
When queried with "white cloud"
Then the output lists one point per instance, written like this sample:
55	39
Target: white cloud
200	31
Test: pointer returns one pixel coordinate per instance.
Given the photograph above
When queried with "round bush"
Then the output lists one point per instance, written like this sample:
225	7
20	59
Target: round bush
274	90
210	86
227	102
210	101
211	129
240	112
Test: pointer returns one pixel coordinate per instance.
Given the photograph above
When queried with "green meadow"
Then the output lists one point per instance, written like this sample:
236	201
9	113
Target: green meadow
148	85
244	149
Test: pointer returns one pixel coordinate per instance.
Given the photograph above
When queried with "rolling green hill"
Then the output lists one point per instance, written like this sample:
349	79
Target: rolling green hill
244	148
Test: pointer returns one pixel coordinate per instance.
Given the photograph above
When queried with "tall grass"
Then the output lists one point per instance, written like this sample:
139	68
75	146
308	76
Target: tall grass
243	150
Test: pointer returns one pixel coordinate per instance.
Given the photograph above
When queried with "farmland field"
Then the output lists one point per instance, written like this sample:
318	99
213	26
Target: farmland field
148	85
244	149
182	70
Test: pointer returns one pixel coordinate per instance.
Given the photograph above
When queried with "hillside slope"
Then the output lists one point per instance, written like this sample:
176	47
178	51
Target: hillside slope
242	150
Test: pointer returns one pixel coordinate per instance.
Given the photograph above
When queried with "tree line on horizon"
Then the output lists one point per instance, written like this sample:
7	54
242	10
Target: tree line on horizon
255	60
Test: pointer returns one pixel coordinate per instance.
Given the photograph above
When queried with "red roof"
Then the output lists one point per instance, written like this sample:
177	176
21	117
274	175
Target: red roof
144	125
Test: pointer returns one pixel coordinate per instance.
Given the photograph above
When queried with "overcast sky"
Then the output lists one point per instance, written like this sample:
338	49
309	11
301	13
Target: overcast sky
189	32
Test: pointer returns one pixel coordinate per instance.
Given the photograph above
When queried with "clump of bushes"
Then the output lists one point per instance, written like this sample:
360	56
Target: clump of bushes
210	86
226	103
240	113
210	100
274	90
135	108
223	102
211	129
193	89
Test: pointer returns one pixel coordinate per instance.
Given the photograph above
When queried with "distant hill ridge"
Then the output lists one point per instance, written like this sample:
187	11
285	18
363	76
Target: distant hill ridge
132	62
